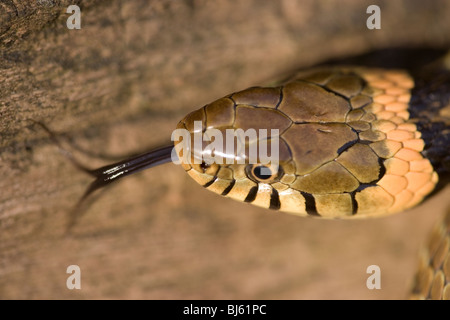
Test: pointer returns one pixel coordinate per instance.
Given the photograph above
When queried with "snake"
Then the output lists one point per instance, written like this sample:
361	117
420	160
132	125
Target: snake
354	141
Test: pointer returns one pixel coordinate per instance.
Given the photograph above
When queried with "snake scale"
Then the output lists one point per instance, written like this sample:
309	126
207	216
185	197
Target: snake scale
354	140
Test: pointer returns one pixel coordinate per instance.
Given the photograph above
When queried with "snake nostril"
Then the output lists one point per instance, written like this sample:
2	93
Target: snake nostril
204	166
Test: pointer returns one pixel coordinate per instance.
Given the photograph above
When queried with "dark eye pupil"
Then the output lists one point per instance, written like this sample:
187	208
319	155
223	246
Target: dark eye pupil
262	172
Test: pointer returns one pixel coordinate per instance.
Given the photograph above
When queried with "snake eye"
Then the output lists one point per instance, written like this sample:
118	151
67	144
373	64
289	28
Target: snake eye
264	173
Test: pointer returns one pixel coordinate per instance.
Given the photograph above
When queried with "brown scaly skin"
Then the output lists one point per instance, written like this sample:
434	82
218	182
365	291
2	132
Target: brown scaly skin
432	280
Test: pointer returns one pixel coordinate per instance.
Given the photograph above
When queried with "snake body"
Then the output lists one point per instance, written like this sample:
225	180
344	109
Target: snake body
432	280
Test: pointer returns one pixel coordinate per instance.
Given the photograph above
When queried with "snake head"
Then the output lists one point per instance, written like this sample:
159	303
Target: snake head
342	138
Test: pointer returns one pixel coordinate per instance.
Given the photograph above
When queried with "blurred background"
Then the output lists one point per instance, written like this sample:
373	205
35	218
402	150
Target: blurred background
119	85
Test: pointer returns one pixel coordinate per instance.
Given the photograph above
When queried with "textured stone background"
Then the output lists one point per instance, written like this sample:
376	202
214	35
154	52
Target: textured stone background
119	86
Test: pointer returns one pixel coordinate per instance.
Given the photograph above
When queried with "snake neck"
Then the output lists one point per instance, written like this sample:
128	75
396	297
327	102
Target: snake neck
430	110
